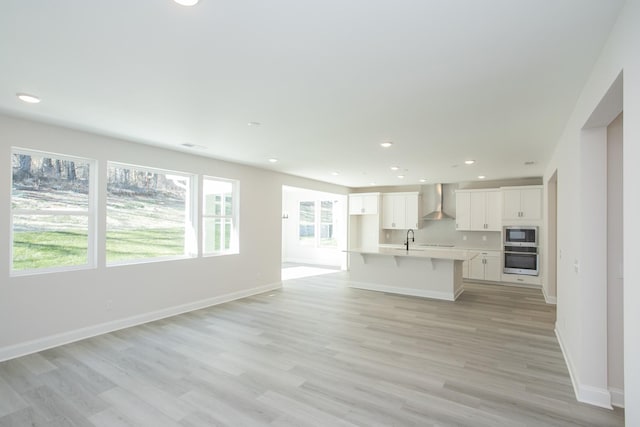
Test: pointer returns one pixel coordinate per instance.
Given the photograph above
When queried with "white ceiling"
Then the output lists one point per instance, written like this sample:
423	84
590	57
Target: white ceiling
445	80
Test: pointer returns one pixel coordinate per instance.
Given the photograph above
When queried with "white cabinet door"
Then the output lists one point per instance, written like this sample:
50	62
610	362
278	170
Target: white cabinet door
400	211
463	210
356	204
476	268
531	203
388	211
493	216
363	204
412	211
511	204
477	210
492	270
522	204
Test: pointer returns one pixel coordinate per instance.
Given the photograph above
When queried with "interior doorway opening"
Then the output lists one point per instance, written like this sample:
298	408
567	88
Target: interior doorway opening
314	232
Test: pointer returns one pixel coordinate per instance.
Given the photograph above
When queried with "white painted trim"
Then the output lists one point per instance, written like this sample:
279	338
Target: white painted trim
617	397
547	298
447	296
584	393
56	340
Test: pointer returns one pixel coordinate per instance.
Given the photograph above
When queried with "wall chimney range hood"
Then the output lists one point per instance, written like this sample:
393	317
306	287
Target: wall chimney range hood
437	214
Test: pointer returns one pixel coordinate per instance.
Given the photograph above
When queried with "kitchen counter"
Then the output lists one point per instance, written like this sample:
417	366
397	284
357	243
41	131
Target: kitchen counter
431	272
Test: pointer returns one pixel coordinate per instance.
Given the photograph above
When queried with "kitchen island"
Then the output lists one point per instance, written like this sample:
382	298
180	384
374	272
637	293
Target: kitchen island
420	271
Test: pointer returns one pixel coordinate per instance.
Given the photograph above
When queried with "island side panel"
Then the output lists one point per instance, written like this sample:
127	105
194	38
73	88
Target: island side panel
424	277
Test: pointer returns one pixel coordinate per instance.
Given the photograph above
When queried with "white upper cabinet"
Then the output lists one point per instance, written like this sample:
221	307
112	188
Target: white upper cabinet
400	211
363	203
478	210
522	203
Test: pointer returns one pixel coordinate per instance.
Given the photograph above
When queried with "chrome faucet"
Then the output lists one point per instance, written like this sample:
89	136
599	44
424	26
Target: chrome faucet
413	238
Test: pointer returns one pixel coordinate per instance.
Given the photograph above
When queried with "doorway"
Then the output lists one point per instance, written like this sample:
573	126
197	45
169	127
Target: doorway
314	232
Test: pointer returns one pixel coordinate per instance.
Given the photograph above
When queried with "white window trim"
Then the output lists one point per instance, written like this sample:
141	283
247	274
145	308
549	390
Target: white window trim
90	213
235	217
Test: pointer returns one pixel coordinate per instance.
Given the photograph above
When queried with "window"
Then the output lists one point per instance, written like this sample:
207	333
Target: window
318	215
148	214
52	212
327	223
219	220
307	224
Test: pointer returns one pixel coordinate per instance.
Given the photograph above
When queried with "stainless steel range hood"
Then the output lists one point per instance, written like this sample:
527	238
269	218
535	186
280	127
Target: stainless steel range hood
437	214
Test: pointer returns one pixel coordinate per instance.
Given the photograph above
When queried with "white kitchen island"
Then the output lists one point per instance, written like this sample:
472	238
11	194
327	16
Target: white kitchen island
424	272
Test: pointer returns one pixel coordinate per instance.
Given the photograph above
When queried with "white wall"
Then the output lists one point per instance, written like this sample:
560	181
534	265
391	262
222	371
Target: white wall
39	311
580	319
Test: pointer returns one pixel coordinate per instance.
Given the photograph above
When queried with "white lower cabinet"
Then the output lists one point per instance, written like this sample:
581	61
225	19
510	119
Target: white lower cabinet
484	266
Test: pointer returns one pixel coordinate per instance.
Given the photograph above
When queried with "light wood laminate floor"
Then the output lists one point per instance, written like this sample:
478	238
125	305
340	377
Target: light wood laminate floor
315	353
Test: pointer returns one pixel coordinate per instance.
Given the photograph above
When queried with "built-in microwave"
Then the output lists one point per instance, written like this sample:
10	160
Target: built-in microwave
520	236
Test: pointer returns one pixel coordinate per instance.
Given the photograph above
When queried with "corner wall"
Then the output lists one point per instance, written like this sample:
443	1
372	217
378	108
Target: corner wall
576	291
44	310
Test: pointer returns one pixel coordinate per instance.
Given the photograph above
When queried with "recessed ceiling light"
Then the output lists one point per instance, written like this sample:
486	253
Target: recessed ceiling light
253	124
190	145
401	176
394	168
469	162
481	177
186	2
335	173
386	144
423	180
273	160
30	99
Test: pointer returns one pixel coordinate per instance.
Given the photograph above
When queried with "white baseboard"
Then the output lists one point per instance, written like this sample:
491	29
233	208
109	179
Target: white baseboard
584	393
548	299
447	296
617	397
56	340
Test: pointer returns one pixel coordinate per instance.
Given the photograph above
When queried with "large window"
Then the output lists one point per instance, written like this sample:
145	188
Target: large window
327	223
219	216
52	212
317	223
307	223
148	214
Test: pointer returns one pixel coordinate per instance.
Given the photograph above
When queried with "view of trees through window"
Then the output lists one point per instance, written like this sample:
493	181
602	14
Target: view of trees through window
50	199
147	213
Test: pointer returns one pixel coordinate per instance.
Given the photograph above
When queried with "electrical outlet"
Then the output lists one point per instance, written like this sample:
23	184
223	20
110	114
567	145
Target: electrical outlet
576	266
464	237
109	305
484	238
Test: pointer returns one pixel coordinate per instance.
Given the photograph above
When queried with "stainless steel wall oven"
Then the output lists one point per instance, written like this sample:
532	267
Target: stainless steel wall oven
521	260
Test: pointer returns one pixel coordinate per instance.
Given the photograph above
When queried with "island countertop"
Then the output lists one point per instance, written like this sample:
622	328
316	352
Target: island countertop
420	252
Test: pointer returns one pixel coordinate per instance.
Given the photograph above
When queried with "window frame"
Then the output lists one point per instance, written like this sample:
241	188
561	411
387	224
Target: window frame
234	240
90	213
190	248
